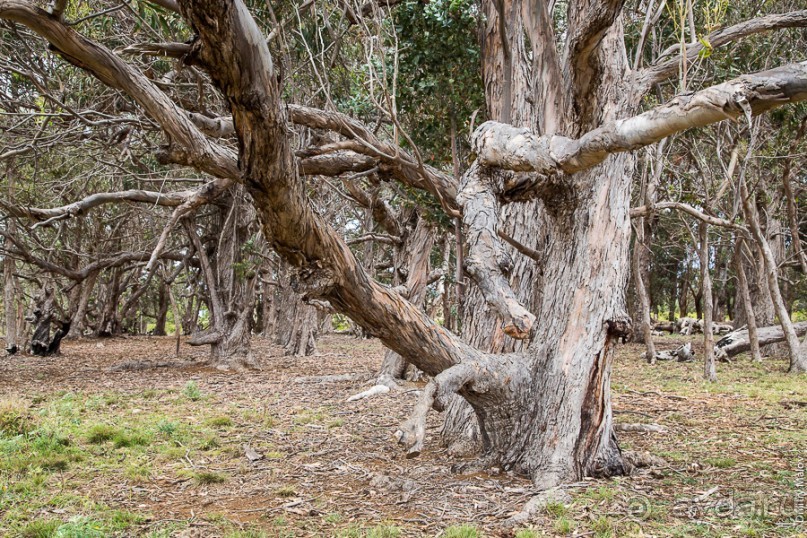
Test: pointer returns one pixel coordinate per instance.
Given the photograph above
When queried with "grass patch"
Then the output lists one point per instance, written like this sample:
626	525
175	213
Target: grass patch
208	477
41	528
721	463
285	492
15	418
383	531
219	422
192	392
462	531
101	433
130	439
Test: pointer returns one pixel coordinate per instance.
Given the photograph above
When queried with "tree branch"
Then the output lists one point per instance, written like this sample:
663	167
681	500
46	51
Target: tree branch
234	52
662	70
646	211
511	148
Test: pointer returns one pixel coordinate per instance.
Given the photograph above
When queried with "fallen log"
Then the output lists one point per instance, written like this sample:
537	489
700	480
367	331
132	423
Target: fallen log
737	342
690	326
681	354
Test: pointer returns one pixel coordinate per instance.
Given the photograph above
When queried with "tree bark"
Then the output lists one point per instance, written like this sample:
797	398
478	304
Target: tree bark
748	305
78	323
798	358
709	370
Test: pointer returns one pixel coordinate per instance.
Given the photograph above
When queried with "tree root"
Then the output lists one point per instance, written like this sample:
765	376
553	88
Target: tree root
383	385
412	433
651	428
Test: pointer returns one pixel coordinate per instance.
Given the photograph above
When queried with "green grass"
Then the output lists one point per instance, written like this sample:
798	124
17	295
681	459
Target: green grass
101	433
462	531
219	421
192	391
15	418
721	463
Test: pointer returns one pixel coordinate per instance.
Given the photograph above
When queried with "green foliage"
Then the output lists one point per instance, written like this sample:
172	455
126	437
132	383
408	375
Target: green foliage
440	72
192	391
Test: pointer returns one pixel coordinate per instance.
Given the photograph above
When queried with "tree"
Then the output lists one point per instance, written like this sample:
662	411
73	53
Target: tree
557	151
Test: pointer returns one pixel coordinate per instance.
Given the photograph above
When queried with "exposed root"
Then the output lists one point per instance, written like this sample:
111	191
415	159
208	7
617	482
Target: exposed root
372	391
650	428
435	395
384	384
330	378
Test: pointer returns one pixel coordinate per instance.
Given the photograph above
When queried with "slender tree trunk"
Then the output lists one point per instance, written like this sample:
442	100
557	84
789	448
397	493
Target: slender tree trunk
162	310
108	322
641	252
748	305
709	370
798	359
792	212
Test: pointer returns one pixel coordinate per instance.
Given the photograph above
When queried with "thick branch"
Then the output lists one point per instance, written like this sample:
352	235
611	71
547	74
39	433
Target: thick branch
234	52
511	148
667	68
487	259
114	72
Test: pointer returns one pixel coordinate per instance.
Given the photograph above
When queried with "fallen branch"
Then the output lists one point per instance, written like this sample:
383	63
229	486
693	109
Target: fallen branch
738	342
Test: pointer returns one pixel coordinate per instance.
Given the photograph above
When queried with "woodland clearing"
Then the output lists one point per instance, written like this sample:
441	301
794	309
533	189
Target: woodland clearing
94	444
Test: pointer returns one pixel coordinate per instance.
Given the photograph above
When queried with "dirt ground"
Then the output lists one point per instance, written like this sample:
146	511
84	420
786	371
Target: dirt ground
332	468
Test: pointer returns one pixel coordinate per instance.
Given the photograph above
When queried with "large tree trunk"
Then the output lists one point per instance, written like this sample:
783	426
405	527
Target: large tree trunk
230	279
78	323
563	430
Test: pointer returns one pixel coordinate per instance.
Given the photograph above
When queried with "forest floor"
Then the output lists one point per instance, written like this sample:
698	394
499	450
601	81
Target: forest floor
92	444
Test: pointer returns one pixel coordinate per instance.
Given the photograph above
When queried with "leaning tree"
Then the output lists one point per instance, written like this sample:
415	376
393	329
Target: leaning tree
556	163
